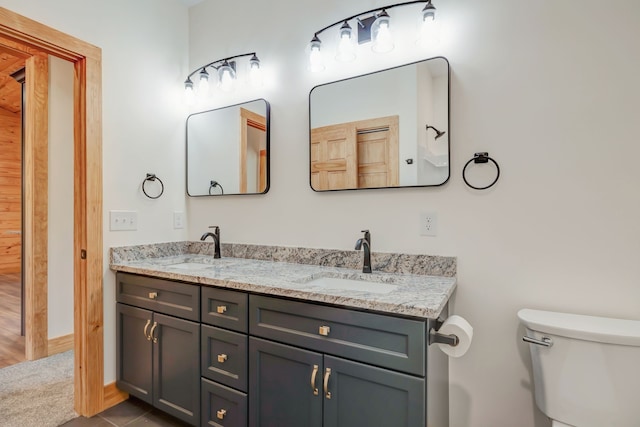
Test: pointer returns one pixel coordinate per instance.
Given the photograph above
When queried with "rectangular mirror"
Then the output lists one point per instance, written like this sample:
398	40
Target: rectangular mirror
228	150
381	130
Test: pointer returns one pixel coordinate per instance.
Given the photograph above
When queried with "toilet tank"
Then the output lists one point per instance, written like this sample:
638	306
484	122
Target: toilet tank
590	375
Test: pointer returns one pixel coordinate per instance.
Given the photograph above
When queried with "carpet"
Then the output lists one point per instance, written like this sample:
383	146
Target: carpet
37	393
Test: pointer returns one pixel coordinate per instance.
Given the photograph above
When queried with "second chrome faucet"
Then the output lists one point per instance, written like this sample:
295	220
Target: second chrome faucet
365	244
216	239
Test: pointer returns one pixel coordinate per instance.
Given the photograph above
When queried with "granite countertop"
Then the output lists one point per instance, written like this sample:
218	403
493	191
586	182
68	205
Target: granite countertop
415	295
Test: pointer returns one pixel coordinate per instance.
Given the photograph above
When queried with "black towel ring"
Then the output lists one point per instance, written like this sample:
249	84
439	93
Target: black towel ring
480	158
152	177
213	185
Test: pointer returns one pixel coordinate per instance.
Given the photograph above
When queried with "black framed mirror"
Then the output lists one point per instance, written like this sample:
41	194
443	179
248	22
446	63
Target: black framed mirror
386	129
228	150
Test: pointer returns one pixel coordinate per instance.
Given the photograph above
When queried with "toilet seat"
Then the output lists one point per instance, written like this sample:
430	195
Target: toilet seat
555	423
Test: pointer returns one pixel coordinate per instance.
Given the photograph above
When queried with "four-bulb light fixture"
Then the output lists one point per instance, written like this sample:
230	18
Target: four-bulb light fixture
225	72
375	28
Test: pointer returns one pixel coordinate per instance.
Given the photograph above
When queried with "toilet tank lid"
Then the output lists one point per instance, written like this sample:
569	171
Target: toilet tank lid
590	328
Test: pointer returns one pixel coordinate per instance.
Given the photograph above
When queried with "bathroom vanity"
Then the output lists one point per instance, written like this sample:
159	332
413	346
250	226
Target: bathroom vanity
238	342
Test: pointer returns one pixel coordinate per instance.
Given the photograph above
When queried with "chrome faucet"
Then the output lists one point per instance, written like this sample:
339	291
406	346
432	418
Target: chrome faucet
366	242
216	239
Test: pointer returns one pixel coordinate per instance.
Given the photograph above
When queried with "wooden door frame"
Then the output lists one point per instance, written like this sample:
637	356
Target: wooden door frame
88	249
248	118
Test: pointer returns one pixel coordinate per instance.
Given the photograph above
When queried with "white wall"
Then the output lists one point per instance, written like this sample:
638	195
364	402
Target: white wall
144	64
60	212
549	89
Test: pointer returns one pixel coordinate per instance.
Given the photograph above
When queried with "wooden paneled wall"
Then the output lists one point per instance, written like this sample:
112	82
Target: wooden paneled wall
10	191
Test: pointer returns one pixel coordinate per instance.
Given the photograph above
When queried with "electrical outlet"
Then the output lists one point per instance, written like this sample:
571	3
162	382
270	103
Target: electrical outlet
178	220
428	224
123	220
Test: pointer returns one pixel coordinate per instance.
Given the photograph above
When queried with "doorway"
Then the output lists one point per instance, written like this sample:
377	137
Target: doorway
26	35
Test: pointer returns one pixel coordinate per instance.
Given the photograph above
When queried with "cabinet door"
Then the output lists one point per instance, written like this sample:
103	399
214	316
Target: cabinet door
133	351
281	393
368	396
176	356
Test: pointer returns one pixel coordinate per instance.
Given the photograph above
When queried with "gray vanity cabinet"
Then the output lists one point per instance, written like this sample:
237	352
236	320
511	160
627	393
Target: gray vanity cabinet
156	354
318	385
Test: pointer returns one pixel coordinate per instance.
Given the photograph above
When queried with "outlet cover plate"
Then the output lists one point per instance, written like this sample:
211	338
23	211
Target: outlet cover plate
178	220
428	224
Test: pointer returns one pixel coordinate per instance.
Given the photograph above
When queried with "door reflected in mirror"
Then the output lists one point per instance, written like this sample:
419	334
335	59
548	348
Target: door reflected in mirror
228	150
381	130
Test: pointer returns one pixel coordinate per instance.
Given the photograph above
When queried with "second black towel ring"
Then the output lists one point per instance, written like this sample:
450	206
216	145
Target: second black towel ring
152	177
480	158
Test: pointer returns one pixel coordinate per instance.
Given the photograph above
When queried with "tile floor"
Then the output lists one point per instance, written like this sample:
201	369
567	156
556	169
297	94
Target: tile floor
130	413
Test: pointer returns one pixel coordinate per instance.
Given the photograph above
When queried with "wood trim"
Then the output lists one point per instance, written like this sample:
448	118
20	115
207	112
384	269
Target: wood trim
248	118
88	327
60	344
35	227
113	395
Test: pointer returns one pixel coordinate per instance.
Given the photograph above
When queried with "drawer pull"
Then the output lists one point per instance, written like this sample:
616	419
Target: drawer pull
221	413
324	331
222	358
148	337
221	309
327	374
153	295
313	380
153	328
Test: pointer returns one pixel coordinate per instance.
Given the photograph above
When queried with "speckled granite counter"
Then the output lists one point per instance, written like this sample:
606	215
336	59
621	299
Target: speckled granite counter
288	272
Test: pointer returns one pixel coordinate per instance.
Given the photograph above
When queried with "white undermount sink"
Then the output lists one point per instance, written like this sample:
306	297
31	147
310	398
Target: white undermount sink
353	285
190	266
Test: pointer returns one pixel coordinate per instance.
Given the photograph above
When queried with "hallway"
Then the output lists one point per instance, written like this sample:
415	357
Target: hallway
11	343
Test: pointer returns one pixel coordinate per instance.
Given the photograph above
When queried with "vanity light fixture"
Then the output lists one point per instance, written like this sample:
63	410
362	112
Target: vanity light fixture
438	133
375	28
226	74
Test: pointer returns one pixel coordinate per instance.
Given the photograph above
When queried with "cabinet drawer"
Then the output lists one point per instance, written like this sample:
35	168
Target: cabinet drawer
381	340
227	309
224	357
162	296
222	406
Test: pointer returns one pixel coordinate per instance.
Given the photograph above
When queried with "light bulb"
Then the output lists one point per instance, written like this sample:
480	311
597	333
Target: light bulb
346	50
189	96
428	32
226	77
316	62
203	84
381	33
255	72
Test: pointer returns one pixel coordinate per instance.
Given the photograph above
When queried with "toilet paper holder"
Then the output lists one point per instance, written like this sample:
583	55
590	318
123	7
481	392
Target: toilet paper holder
437	338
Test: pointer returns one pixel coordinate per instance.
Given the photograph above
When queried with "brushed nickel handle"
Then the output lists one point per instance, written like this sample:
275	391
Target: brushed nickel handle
324	331
221	309
221	413
153	295
327	374
222	358
153	328
148	337
313	380
545	341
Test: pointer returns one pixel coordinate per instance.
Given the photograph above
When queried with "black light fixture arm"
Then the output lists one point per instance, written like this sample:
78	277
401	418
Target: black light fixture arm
221	61
378	9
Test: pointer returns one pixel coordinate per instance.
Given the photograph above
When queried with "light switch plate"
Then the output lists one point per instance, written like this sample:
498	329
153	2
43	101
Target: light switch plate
123	220
178	220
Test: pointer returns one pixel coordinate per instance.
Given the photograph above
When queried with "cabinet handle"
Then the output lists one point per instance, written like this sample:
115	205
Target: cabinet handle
221	309
221	413
153	295
222	358
148	337
324	331
153	328
327	374
313	380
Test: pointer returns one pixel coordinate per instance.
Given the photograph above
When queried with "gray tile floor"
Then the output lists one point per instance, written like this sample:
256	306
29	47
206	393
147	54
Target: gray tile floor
130	413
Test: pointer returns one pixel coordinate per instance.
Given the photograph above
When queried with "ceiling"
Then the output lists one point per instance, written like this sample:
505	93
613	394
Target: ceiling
10	89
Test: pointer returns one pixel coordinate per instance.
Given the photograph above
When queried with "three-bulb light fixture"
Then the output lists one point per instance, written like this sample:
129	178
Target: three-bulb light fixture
375	28
225	73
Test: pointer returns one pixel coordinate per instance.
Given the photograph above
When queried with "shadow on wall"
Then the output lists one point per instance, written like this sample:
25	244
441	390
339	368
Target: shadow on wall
462	398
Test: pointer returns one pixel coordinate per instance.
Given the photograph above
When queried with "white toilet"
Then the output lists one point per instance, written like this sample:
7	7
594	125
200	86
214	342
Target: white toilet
586	370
